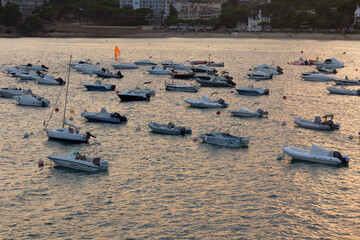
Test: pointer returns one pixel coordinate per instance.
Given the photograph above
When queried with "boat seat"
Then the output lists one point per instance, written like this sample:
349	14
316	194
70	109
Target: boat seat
81	157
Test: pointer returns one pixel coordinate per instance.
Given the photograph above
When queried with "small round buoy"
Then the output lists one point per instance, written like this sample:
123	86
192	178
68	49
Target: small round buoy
111	99
302	51
288	63
356	69
344	52
26	135
249	69
71	118
283	123
41	163
56	109
255	49
232	91
279	157
138	128
284	97
194	139
351	136
72	111
218	112
117	91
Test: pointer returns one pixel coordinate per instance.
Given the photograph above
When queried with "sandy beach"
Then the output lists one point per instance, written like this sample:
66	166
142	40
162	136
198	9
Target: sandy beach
78	31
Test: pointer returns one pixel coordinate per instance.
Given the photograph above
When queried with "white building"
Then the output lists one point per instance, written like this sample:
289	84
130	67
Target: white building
357	15
254	23
26	7
160	8
191	11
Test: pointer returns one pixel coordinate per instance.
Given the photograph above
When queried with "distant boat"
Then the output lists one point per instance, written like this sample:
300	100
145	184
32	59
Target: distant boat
70	133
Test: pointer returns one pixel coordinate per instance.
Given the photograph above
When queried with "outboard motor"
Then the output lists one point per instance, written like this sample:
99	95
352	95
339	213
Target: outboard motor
112	87
266	92
358	91
103	69
221	101
332	125
88	135
279	69
45	67
182	131
338	155
60	81
262	112
119	74
148	97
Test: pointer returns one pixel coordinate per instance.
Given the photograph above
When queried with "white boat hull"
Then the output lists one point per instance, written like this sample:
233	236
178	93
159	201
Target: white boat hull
84	165
305	155
66	135
343	91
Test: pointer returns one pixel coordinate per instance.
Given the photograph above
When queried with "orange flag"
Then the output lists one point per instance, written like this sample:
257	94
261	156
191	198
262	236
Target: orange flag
117	52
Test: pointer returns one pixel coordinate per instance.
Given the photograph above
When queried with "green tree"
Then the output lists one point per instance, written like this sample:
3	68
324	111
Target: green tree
10	14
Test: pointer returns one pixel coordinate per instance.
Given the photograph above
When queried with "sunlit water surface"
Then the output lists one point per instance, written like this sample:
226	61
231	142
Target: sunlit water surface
171	187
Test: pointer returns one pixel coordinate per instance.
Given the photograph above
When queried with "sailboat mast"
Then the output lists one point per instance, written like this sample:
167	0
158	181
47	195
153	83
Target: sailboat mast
67	90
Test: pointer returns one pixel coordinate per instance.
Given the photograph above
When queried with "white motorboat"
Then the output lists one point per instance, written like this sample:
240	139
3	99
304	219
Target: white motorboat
224	138
326	70
181	66
29	99
80	63
145	63
316	77
269	69
86	68
250	90
259	75
244	112
181	88
80	160
159	70
29	67
330	63
207	102
203	68
11	92
317	124
124	66
346	81
67	132
176	66
343	91
13	70
317	154
70	133
27	75
98	86
105	73
104	116
216	81
169	129
134	95
49	80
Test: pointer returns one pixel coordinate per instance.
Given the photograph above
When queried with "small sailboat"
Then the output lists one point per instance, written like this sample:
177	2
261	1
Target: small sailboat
69	132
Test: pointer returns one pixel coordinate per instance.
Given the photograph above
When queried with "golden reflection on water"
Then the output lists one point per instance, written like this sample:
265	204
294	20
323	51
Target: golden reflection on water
169	186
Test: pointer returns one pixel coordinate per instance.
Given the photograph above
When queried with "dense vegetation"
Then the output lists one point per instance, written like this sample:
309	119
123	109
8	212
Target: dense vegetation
285	14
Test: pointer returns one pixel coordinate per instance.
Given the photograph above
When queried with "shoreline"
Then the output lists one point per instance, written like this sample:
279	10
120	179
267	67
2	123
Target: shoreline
161	34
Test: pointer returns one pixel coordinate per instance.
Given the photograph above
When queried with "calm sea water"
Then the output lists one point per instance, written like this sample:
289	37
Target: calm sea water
170	187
